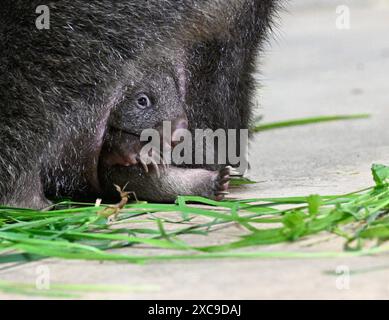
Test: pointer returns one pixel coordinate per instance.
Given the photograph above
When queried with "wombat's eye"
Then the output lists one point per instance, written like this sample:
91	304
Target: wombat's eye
143	101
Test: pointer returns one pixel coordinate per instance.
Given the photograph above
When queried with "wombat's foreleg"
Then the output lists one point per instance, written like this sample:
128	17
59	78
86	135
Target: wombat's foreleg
26	192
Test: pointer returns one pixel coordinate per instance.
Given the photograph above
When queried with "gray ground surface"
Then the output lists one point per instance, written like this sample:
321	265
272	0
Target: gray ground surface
312	69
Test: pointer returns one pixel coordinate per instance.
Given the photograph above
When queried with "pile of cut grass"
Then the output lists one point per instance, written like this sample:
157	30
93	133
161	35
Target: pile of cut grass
79	231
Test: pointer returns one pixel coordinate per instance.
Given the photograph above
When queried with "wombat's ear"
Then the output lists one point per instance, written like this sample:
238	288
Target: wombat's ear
210	20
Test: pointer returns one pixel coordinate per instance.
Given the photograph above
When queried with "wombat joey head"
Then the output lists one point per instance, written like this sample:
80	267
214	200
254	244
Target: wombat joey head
151	98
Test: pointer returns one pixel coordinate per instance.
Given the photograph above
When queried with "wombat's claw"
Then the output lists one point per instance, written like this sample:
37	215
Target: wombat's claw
144	165
234	172
222	184
224	175
154	162
165	165
156	167
159	164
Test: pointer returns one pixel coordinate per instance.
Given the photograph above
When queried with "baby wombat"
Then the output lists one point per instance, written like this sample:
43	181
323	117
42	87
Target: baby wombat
152	97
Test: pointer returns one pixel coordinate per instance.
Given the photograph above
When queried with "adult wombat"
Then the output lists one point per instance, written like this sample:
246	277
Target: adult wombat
59	86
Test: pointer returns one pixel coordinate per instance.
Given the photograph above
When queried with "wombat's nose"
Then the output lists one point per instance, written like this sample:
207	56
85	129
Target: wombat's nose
181	123
178	126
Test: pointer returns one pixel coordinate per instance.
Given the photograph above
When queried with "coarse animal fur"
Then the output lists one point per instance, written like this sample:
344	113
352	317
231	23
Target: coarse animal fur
58	87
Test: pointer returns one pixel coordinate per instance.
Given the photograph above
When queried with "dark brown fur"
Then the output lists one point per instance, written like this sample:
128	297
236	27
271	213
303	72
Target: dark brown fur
58	87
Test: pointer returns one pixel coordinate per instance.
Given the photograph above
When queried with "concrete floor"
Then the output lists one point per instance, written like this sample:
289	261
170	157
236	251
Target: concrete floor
311	69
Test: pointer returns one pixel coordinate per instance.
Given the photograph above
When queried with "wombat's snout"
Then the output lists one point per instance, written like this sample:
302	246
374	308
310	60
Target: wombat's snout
178	126
170	139
180	123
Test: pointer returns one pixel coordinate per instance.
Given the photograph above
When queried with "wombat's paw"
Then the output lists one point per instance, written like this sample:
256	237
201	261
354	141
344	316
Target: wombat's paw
156	164
221	183
37	202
